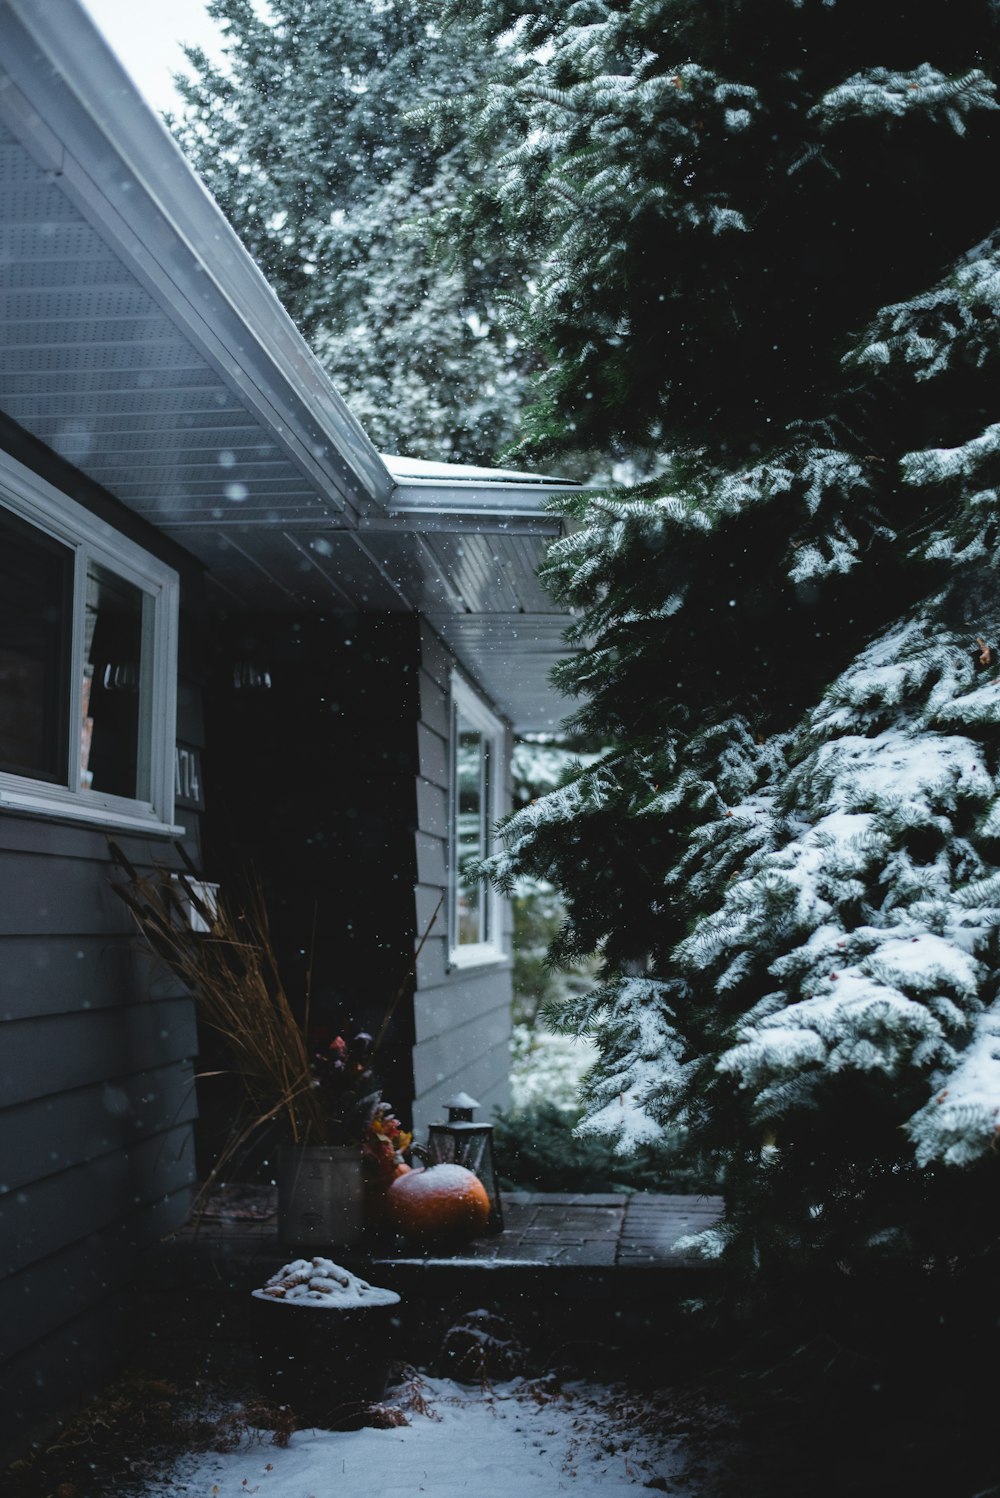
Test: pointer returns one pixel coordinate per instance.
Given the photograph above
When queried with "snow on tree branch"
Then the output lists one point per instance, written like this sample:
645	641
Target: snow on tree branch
883	92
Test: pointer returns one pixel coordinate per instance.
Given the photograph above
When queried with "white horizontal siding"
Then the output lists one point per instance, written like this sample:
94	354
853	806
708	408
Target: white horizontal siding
461	1015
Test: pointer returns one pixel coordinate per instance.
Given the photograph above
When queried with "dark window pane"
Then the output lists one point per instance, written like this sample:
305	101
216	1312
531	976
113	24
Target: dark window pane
36	581
114	746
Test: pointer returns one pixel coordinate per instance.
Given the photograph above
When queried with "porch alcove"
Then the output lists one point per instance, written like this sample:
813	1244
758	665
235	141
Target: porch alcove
311	791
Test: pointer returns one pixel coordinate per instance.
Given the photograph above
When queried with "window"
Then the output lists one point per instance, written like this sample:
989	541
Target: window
477	773
36	590
88	631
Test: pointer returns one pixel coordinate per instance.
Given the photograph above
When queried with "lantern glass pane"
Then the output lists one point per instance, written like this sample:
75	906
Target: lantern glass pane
471	1146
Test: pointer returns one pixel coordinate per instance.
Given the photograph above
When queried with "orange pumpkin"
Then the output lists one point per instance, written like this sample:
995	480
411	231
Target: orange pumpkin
441	1202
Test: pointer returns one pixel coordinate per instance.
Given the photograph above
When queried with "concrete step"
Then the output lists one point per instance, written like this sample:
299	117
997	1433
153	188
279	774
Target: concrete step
568	1270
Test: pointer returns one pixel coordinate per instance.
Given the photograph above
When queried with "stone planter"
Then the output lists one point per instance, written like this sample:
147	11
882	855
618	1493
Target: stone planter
320	1196
322	1341
327	1364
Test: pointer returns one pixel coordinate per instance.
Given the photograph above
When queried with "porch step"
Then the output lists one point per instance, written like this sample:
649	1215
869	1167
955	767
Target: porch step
566	1268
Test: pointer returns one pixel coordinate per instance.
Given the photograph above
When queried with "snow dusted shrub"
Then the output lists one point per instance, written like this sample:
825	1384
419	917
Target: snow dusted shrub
482	1345
539	1147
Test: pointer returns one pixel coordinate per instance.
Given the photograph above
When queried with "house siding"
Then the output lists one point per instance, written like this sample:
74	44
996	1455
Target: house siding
96	1076
96	1104
462	1015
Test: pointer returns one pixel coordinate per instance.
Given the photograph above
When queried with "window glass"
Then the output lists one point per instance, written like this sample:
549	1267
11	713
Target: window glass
115	700
472	801
477	771
88	661
36	580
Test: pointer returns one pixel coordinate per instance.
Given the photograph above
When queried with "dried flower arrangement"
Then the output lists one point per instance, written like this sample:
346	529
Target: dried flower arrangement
353	1106
322	1088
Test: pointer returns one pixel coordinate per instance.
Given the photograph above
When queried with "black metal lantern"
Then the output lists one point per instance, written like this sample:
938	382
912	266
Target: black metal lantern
461	1141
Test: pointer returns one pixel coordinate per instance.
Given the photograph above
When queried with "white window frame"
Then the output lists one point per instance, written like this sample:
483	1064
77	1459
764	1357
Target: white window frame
34	500
475	711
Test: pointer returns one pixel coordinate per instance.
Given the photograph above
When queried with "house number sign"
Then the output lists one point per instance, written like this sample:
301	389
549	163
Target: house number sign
187	778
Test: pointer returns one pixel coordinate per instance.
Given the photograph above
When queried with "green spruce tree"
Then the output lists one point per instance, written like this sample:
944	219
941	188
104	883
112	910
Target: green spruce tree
766	227
308	138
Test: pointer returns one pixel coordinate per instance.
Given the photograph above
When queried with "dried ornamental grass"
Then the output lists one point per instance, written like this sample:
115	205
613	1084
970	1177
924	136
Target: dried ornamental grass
327	1096
232	971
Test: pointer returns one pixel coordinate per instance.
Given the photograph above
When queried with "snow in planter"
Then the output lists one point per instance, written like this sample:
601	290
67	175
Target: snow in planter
322	1283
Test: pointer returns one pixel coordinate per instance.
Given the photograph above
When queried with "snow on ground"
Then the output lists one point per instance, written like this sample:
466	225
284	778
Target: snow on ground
461	1442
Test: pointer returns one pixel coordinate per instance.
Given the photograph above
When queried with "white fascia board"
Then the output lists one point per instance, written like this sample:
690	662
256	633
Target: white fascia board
478	505
70	102
464	498
480	502
460	522
431	495
419	470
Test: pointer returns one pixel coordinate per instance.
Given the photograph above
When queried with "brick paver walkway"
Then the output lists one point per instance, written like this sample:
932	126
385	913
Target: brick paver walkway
570	1269
549	1228
557	1228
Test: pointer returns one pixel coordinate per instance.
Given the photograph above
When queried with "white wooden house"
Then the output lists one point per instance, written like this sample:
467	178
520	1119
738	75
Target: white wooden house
225	619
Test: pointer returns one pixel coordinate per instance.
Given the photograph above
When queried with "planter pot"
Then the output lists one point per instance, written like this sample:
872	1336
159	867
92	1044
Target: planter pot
320	1196
326	1363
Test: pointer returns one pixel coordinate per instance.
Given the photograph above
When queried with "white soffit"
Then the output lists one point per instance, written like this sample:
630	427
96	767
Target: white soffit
511	656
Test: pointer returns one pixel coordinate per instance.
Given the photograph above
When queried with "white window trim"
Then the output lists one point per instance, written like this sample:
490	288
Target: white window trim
472	707
45	507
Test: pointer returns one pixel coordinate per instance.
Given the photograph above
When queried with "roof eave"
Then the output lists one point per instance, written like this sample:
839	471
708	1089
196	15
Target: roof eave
123	166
